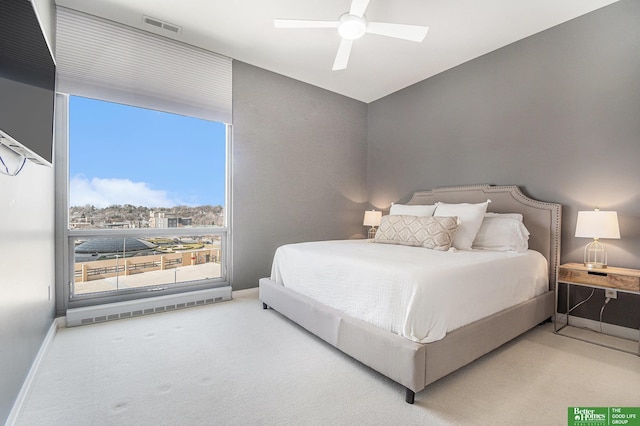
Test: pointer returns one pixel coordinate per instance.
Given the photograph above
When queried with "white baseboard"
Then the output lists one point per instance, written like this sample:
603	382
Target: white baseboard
33	371
614	330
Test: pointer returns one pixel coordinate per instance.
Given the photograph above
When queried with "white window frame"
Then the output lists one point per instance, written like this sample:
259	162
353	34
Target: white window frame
65	237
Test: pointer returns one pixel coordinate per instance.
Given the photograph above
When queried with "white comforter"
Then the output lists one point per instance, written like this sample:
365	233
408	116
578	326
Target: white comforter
418	293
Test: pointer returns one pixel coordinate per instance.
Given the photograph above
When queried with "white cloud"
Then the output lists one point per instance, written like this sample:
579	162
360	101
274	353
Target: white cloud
107	192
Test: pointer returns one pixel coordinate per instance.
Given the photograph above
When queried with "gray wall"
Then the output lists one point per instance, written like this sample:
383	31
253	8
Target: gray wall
26	262
557	113
299	168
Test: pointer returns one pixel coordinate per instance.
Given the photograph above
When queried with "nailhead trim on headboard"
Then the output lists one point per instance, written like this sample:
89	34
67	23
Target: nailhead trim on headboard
540	217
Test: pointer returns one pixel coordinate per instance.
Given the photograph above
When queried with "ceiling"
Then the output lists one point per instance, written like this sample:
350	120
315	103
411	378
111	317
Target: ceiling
459	30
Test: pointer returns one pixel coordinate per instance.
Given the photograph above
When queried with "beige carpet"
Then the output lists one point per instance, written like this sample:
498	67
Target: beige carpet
234	363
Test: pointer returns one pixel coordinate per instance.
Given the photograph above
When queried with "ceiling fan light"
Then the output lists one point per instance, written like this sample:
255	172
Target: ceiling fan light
352	27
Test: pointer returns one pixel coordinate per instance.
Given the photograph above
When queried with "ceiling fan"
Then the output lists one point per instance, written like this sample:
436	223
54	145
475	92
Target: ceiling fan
353	25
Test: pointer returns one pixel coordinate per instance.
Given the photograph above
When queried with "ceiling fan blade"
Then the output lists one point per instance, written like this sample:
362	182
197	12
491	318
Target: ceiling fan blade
301	23
342	57
358	7
405	32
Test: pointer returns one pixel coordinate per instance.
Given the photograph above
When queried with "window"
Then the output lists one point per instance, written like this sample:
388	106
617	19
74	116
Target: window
146	201
141	147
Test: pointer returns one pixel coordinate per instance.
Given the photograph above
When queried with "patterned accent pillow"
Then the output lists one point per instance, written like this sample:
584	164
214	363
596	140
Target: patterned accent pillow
431	232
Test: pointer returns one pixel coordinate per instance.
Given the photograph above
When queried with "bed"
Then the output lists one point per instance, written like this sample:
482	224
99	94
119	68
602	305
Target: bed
408	352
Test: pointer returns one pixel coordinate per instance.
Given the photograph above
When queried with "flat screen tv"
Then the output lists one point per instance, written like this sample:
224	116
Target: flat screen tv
27	83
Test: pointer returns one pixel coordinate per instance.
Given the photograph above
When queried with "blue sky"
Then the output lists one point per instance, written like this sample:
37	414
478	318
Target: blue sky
125	155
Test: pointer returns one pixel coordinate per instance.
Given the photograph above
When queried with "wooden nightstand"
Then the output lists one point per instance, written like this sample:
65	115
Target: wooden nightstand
619	279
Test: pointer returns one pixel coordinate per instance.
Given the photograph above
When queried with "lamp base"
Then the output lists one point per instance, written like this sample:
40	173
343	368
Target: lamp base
595	265
372	232
595	255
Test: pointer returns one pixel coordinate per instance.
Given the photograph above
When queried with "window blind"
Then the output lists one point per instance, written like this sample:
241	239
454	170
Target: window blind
102	59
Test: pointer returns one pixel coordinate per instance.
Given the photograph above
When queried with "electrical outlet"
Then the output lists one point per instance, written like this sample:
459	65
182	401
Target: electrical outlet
611	294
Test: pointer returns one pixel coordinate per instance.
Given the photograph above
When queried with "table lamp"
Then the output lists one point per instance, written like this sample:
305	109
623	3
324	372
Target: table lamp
372	218
596	224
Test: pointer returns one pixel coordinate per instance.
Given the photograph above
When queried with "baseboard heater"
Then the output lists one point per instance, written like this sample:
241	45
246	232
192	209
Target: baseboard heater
151	305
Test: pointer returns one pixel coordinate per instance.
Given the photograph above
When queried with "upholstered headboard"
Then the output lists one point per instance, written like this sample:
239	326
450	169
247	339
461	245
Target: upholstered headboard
541	218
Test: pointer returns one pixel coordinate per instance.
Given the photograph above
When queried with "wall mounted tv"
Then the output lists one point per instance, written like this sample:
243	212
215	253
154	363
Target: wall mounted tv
27	83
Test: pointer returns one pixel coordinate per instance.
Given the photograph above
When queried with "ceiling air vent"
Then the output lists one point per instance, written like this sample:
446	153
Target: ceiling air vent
162	25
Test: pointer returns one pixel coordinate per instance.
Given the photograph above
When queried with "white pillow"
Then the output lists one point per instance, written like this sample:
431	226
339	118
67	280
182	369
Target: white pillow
502	233
470	216
411	210
517	216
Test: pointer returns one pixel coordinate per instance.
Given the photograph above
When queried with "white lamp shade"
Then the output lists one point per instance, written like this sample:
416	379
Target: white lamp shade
372	218
597	224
